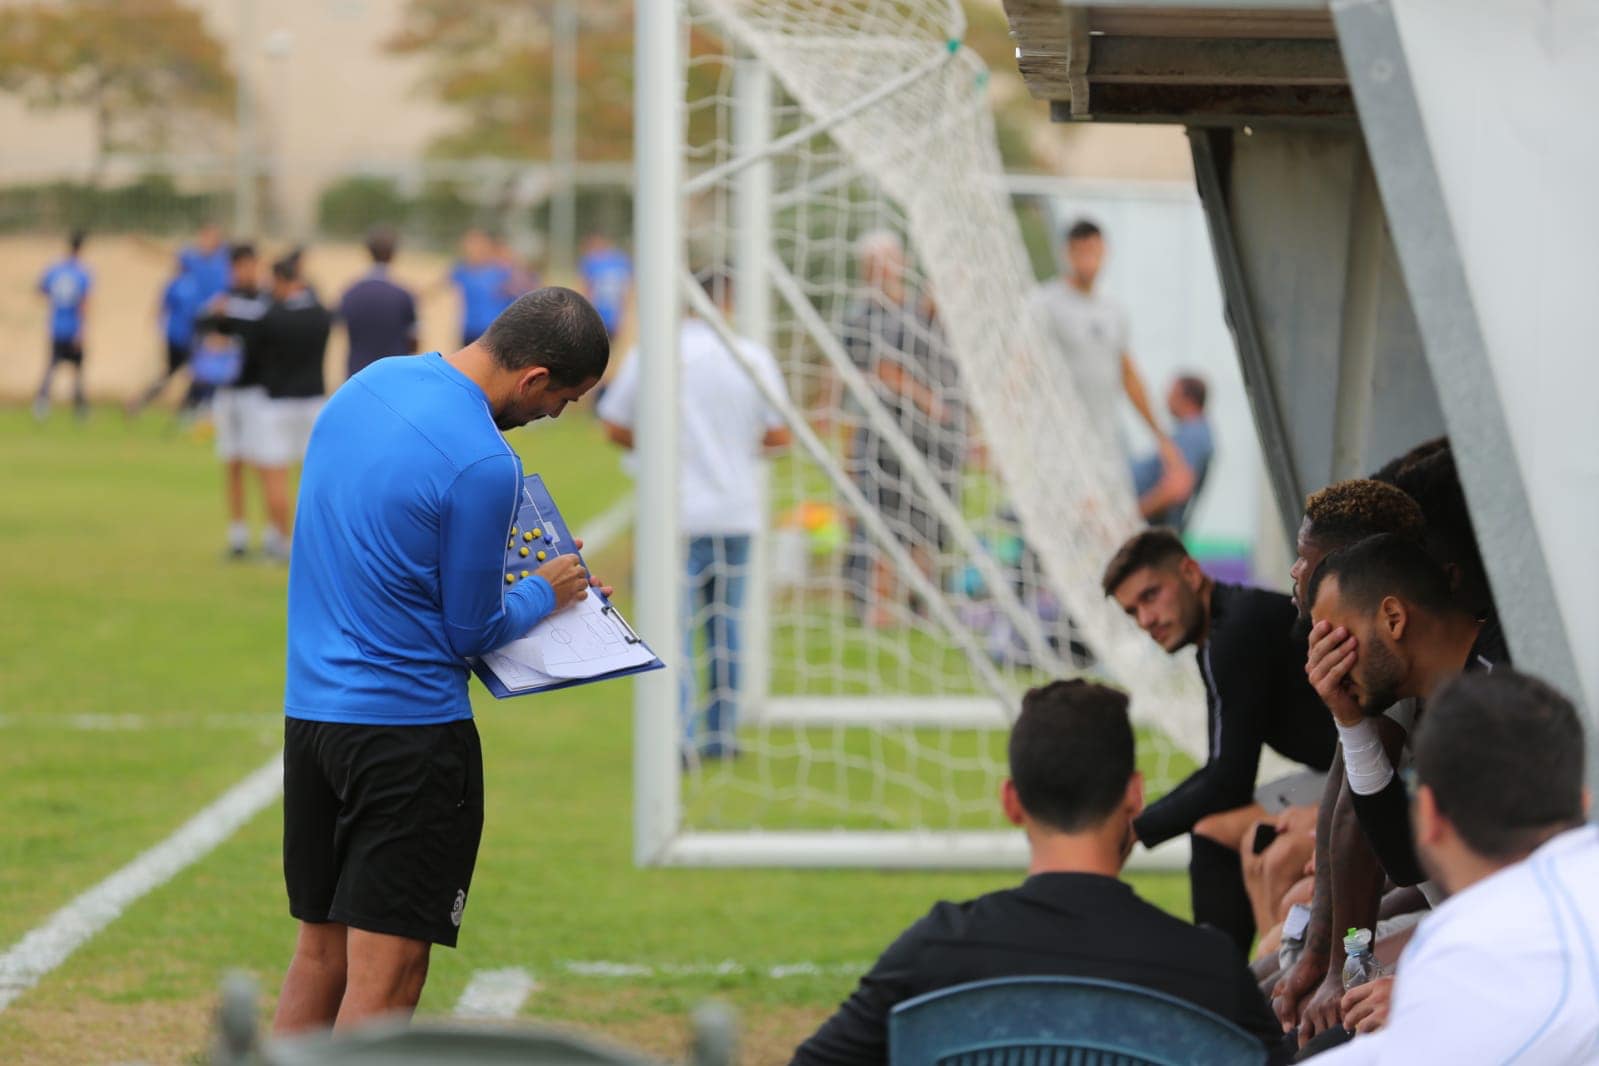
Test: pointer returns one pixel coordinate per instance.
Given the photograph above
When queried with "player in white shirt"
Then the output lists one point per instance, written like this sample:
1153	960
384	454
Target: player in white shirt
1090	331
726	426
1506	970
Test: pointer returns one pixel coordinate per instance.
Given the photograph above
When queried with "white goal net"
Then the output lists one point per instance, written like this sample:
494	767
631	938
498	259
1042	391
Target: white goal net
934	537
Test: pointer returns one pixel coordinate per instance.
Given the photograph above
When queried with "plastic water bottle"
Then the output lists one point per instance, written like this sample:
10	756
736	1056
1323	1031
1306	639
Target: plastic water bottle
1360	965
1293	939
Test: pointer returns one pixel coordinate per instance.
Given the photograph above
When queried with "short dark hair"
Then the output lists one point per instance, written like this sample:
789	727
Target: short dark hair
241	250
716	281
1081	230
287	267
1385	565
1152	547
554	328
1071	753
1389	471
381	242
1347	511
1433	482
76	238
1503	755
1194	388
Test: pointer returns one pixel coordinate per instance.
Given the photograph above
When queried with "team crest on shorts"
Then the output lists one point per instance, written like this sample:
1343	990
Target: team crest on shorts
460	905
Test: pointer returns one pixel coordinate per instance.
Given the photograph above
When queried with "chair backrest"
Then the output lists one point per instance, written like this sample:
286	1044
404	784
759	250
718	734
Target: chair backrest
1062	1021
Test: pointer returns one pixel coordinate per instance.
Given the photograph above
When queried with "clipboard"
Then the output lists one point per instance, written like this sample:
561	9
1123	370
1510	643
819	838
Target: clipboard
539	529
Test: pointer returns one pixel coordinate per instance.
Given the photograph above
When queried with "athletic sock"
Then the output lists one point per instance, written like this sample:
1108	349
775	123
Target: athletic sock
239	536
274	544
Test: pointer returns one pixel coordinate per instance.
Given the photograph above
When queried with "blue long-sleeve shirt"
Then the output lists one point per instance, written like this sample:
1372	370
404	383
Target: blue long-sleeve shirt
397	570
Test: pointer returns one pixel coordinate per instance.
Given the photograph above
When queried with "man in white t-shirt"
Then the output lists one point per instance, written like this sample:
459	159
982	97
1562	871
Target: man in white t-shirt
1090	331
1507	968
726	426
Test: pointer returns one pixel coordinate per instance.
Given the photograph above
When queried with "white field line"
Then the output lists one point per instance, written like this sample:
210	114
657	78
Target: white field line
606	969
138	723
44	948
495	993
48	946
598	532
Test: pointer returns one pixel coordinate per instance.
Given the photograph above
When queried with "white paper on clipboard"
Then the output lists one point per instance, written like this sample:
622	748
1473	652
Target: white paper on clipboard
585	639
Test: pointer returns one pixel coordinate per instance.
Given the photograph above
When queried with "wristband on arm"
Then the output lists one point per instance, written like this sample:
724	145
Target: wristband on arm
1365	761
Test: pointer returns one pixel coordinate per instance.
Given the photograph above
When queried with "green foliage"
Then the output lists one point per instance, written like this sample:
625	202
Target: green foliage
351	206
442	212
491	62
433	218
1033	218
150	204
139	68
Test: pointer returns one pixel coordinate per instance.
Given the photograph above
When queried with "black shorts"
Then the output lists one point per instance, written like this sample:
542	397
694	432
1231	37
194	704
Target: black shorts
381	825
66	352
177	356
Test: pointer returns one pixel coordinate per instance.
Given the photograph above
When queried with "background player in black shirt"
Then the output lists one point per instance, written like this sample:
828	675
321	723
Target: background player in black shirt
1255	692
237	407
290	341
1074	790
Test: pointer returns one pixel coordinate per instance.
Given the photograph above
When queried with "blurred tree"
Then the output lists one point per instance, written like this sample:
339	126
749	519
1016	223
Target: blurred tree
491	61
139	66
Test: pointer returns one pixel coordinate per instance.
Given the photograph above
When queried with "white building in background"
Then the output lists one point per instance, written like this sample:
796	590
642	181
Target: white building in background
330	97
1159	267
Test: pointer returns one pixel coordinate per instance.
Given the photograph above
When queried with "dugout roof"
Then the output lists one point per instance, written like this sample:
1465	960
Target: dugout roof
1400	204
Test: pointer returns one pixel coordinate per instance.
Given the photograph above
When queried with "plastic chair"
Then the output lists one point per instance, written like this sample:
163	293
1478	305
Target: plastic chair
395	1043
1062	1021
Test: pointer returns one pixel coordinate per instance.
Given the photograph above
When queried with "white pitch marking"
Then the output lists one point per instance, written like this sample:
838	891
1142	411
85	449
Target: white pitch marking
48	946
606	969
599	531
107	722
495	993
44	948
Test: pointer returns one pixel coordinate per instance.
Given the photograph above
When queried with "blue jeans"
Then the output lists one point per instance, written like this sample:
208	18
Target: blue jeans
717	570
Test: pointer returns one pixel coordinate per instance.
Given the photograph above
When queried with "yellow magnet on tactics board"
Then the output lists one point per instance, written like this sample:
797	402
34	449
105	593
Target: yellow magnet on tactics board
523	552
537	532
514	531
524	573
540	557
527	536
510	578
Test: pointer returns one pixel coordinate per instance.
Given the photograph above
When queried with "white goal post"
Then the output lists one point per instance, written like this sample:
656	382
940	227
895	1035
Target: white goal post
929	553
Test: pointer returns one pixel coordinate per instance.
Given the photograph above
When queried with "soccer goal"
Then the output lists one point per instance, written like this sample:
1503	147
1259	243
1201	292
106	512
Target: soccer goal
931	543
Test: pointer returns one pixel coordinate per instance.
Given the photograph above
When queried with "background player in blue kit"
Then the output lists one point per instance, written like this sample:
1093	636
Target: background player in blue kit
180	304
484	282
66	286
207	263
607	280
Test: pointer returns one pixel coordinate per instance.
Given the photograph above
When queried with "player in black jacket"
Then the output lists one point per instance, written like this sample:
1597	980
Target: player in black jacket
238	406
1252	664
289	343
1074	789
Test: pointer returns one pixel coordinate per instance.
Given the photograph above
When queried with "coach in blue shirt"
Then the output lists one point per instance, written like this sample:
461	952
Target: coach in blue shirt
378	315
395	581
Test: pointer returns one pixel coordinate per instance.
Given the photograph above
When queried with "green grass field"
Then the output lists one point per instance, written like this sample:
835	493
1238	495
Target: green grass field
141	676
